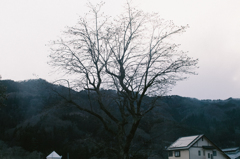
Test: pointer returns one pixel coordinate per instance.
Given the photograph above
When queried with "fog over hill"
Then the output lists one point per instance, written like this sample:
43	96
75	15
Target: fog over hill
36	121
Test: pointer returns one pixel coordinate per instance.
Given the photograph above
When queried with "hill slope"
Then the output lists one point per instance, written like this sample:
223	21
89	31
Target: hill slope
36	119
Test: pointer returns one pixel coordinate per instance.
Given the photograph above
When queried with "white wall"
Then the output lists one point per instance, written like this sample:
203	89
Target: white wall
198	147
194	153
184	154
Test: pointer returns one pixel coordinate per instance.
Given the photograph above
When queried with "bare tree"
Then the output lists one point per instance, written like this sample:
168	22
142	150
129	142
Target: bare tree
131	54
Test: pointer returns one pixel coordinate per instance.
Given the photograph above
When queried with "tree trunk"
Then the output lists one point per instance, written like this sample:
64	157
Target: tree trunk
125	141
123	155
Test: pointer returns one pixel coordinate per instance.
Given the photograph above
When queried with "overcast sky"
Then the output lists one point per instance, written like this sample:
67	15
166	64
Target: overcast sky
27	26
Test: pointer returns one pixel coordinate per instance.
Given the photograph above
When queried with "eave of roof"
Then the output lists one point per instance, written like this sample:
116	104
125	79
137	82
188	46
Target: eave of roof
208	147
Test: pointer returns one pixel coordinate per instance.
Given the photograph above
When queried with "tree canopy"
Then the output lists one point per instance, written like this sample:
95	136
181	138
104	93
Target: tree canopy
131	54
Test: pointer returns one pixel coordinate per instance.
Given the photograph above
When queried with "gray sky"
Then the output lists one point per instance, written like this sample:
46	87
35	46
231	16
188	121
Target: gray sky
26	26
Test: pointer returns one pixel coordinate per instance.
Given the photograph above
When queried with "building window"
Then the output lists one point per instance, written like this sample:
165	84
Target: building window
208	155
214	153
170	153
177	153
199	153
203	152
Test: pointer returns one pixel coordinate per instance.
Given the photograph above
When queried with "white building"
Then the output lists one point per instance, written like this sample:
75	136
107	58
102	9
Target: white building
195	147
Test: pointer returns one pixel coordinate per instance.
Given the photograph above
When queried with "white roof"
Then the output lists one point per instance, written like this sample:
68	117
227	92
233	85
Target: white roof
184	142
53	155
230	149
234	155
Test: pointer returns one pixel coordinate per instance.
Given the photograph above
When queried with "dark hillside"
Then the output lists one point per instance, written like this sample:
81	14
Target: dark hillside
36	119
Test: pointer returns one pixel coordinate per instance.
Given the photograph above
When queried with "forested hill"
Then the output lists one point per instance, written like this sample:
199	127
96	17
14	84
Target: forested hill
37	119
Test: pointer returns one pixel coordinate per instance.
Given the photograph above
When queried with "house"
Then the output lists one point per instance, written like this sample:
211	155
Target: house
233	153
195	147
